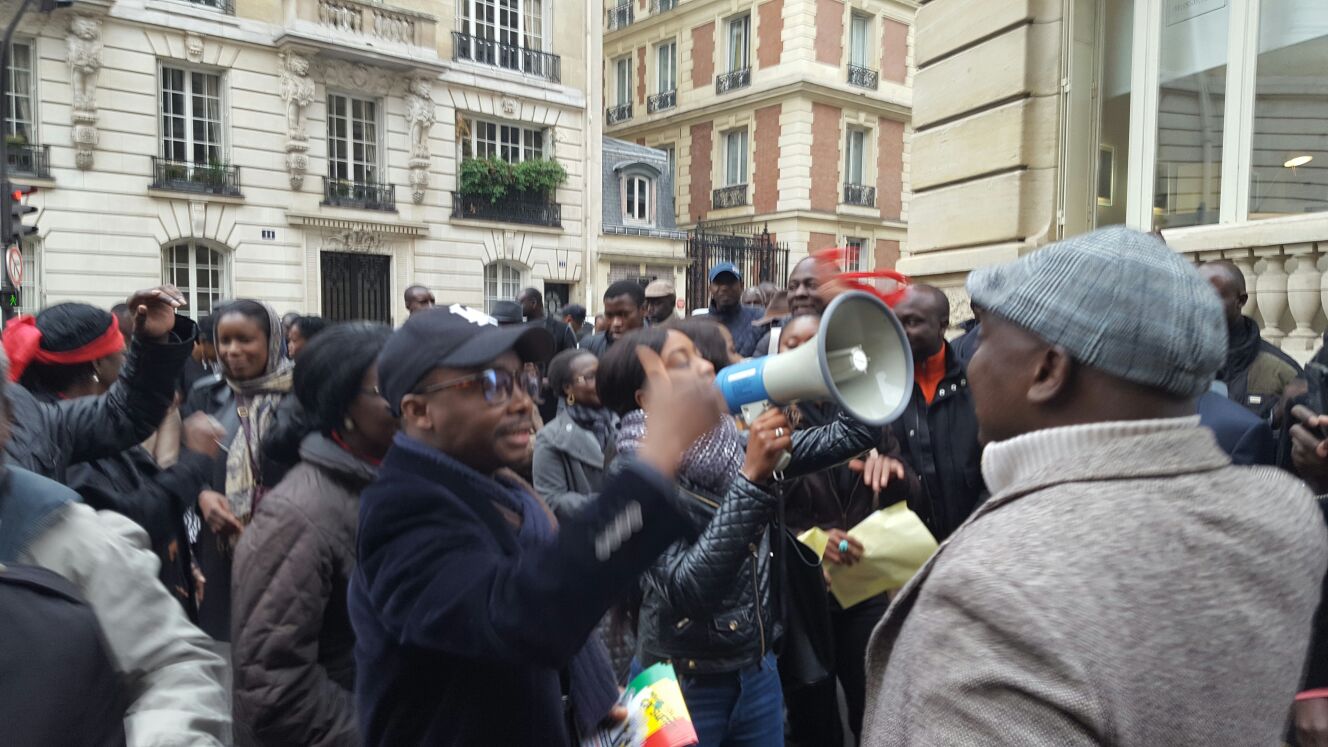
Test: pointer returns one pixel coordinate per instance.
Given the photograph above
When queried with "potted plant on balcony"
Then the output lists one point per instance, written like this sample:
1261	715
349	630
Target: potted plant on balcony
538	179
174	172
212	176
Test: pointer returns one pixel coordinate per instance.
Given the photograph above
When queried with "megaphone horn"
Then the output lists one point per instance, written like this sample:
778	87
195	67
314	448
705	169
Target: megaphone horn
861	361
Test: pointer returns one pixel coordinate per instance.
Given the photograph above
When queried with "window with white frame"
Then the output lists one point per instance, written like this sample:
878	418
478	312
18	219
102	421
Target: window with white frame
513	143
519	24
853	254
22	81
502	282
199	271
637	191
352	139
622	77
30	300
735	158
855	155
191	117
740	31
666	77
859	40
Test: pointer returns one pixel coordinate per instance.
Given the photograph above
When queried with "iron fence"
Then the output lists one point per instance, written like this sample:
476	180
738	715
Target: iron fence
859	194
620	113
729	197
733	80
521	59
661	101
185	176
29	160
362	195
862	77
752	249
620	16
511	208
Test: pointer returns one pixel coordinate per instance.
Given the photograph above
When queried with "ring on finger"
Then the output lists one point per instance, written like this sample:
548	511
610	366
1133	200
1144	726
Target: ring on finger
779	432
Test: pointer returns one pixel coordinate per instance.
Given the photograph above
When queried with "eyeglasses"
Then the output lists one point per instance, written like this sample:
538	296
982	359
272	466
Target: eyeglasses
496	383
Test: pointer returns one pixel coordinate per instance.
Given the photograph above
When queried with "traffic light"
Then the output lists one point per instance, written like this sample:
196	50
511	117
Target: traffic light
17	209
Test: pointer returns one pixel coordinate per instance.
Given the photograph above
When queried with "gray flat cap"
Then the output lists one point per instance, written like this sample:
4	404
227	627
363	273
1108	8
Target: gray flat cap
1119	301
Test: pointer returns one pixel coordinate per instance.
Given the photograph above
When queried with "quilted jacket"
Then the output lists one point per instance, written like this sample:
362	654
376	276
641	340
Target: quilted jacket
706	604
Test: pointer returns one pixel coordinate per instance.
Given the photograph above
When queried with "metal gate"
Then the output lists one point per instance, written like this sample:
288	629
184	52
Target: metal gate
758	257
357	286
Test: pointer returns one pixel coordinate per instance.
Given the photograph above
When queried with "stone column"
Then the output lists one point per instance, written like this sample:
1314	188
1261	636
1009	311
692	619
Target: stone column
1304	298
1271	294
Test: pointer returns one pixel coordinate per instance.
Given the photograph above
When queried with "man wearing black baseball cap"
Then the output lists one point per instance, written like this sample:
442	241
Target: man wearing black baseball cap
473	608
726	306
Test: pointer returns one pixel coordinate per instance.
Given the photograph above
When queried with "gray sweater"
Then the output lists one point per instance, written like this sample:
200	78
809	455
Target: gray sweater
1123	585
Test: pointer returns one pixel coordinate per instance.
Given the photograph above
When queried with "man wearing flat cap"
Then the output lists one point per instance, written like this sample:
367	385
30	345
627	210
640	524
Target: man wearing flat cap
472	606
661	299
1124	584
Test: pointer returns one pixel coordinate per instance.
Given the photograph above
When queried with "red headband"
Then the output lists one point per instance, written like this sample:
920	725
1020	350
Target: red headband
22	341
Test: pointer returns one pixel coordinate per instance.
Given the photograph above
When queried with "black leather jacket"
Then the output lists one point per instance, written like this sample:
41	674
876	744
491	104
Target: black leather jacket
706	604
47	438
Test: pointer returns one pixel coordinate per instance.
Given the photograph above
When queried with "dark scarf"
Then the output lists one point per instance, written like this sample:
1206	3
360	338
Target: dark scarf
601	422
710	464
1242	348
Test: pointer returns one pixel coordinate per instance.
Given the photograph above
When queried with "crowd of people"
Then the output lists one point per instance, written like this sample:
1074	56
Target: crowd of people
477	528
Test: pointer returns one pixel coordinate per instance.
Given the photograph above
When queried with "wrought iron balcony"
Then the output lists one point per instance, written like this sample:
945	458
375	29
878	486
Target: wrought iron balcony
619	113
729	197
362	195
862	77
661	101
510	57
621	16
29	160
530	210
859	194
733	80
225	6
662	6
182	176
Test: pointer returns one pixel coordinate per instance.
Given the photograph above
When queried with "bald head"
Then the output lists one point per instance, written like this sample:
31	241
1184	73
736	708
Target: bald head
925	313
418	297
1229	283
803	284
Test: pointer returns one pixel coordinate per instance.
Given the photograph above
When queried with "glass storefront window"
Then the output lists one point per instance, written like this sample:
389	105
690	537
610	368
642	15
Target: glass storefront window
1114	113
1289	159
1192	88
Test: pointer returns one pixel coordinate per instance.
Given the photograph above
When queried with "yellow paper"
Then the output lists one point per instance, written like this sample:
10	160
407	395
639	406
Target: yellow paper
815	538
895	544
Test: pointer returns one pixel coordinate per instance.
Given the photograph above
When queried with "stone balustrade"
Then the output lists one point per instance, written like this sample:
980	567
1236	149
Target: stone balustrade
373	22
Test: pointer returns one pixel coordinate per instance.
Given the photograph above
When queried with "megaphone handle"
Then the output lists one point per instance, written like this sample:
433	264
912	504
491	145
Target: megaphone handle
750	412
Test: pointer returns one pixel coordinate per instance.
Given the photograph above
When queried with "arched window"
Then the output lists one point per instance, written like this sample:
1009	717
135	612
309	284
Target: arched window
502	281
199	271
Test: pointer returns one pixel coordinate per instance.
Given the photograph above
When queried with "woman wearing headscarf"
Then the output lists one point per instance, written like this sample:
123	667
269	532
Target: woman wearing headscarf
247	400
706	601
73	350
570	449
293	643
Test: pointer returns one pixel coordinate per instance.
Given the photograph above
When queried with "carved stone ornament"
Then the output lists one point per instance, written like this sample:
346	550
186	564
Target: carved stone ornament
193	47
84	52
421	114
356	76
509	105
297	92
355	240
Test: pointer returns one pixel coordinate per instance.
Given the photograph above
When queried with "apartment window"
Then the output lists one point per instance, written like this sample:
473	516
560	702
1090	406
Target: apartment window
735	158
352	139
739	42
637	199
502	282
623	80
199	271
855	149
191	128
21	121
515	23
667	75
672	153
859	40
853	252
30	301
483	138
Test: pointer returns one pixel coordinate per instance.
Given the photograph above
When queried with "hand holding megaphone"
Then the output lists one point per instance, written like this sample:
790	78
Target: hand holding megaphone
769	438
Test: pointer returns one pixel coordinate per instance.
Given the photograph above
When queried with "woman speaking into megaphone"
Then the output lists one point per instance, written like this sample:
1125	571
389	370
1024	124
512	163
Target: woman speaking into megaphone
706	601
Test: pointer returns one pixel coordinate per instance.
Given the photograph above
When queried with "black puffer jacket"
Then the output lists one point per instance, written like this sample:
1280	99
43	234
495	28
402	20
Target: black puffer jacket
48	437
706	602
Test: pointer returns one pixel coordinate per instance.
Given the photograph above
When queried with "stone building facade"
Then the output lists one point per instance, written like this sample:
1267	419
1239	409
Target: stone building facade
640	239
304	152
791	115
1206	120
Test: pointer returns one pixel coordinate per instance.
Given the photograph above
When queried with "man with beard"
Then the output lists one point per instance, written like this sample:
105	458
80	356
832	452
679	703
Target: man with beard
726	307
661	299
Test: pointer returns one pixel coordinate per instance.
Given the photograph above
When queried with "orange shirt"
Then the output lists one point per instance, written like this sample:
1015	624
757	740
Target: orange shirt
930	373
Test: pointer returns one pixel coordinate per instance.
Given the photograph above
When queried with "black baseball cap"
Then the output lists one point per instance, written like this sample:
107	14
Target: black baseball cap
455	336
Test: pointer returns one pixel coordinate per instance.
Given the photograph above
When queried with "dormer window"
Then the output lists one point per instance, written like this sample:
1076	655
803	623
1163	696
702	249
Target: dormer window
637	195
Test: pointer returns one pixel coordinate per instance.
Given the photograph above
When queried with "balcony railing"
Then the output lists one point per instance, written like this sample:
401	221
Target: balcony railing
862	77
621	16
733	80
661	101
362	195
225	6
620	113
489	52
859	194
183	176
662	6
729	197
511	208
29	160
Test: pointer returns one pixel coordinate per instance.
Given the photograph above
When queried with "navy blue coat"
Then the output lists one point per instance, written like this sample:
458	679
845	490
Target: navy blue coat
739	320
460	631
1244	436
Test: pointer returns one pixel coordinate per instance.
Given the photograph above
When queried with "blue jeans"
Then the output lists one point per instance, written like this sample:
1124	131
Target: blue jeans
735	709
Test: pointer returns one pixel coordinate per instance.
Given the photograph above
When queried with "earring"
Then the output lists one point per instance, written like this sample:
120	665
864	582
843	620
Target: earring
348	425
571	400
95	378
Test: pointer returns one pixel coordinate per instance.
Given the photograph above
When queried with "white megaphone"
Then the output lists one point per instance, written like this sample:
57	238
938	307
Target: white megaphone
861	361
